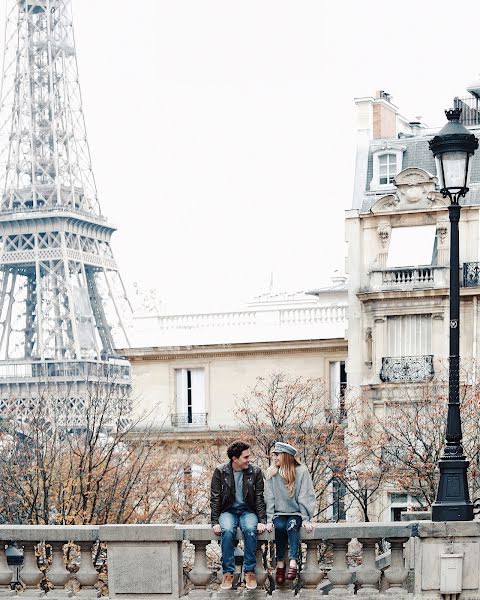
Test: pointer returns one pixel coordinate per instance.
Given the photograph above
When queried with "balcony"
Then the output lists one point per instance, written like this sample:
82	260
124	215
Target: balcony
407	278
471	274
406	369
170	561
470	110
189	419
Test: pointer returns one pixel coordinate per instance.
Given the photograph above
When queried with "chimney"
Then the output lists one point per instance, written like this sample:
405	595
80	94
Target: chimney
384	116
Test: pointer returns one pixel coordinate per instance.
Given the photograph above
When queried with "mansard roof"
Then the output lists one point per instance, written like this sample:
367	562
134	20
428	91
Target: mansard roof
417	155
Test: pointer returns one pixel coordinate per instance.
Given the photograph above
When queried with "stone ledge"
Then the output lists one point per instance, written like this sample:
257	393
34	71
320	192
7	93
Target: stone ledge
49	533
139	533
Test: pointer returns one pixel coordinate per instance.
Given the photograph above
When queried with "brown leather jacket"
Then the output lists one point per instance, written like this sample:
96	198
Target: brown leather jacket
222	491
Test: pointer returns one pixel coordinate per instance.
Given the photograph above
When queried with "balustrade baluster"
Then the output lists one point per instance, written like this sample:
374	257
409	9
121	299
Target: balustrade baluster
30	575
339	575
87	575
311	575
200	575
58	574
6	574
396	574
368	576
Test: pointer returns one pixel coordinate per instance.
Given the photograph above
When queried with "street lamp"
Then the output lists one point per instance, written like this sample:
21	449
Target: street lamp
452	148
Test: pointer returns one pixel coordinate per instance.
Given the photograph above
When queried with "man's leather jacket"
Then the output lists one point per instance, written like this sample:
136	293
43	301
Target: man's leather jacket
222	491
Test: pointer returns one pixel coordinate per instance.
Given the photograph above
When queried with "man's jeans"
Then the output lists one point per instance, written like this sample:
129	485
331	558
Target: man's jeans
287	528
229	521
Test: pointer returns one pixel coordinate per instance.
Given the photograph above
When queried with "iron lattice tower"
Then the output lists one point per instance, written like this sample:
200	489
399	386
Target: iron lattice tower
61	296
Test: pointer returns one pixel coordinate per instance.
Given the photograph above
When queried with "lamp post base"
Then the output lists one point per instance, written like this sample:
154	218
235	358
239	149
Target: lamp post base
453	498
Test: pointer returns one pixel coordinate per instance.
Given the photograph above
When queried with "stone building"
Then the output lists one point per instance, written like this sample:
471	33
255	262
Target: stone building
398	264
193	367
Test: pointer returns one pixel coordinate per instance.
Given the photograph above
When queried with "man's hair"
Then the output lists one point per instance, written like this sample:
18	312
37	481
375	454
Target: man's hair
236	448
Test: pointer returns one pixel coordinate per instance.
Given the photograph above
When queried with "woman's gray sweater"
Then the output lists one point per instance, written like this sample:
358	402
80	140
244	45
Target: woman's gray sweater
279	501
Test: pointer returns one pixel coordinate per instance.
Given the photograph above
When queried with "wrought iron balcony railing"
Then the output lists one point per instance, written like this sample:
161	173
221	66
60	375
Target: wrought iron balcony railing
189	419
471	274
470	110
406	368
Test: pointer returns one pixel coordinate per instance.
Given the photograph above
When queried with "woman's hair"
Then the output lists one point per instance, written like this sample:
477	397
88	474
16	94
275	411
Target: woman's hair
288	465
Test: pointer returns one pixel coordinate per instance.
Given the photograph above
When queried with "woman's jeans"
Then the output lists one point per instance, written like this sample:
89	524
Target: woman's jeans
229	521
287	529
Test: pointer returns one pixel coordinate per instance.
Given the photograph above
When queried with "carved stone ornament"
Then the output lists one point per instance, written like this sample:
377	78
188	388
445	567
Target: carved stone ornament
415	189
384	231
386	203
442	231
413	185
437	200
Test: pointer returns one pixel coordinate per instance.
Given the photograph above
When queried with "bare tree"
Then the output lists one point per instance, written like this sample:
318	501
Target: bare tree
295	410
85	461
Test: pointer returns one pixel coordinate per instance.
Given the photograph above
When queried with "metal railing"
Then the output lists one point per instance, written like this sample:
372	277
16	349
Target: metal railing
470	110
471	274
116	370
189	419
406	368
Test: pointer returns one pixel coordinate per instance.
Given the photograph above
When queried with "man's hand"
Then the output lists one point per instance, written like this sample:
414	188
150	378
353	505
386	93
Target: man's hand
261	527
308	526
217	530
269	527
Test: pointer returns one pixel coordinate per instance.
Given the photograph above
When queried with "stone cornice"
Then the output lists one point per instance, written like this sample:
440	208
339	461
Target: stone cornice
365	297
336	345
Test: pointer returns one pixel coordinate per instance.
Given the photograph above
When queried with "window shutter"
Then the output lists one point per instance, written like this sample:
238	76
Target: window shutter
198	391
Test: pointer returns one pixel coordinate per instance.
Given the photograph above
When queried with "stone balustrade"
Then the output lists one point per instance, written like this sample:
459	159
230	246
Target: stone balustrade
147	561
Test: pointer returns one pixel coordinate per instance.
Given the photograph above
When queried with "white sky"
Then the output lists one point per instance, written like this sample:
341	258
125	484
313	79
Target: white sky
223	133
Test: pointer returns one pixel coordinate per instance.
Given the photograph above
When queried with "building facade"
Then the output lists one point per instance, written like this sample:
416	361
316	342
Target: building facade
398	266
195	367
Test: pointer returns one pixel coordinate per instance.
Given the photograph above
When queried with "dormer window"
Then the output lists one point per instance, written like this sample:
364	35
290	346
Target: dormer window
387	167
387	163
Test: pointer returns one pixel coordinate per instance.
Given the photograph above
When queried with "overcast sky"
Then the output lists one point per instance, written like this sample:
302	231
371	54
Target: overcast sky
223	133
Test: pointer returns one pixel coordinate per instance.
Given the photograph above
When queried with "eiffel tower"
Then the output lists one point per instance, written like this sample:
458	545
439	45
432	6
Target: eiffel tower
62	300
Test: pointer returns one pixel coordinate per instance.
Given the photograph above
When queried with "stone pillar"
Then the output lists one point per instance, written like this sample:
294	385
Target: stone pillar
87	575
144	560
30	575
58	574
311	575
396	574
368	576
340	575
200	575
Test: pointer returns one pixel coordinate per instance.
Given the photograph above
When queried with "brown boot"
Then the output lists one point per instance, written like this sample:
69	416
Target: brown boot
280	576
227	581
250	580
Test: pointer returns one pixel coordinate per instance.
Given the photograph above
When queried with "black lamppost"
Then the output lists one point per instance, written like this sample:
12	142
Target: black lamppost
452	148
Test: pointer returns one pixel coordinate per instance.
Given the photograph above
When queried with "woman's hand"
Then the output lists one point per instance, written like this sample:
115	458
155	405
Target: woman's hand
308	526
269	527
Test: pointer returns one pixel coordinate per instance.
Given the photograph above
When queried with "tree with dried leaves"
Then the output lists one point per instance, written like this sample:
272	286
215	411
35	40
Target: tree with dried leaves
97	462
295	410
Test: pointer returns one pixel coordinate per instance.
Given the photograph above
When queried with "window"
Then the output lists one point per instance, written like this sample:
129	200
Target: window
387	164
387	168
412	246
339	492
409	335
401	503
338	387
190	396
